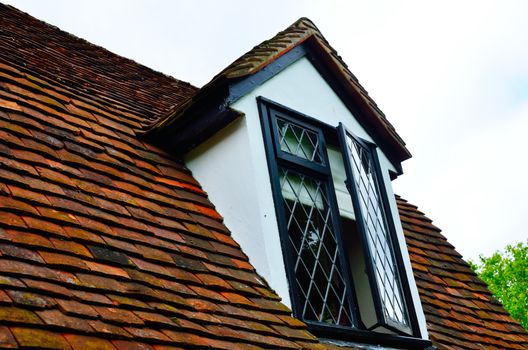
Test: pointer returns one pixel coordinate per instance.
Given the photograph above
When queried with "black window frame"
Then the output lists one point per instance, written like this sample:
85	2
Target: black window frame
320	172
268	110
400	271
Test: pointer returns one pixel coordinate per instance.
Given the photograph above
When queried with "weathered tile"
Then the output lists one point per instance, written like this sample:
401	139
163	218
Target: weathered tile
39	338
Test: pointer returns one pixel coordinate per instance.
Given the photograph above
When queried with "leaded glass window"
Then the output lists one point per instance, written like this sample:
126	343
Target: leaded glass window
376	232
313	241
299	141
339	255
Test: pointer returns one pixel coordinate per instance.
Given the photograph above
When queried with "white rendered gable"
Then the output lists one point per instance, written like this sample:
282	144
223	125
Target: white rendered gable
232	168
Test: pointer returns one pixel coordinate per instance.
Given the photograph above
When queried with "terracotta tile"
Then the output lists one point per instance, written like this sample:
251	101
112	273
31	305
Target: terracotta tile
108	329
47	287
211	280
60	259
155	318
141	214
155	254
129	345
247	324
16	205
39	338
119	300
102	283
91	297
110	206
242	264
189	325
72	307
81	342
81	234
94	225
57	318
291	321
10	281
21	268
48	139
71	247
208	222
57	215
267	293
44	186
43	225
38	146
118	315
119	257
176	299
302	334
203	305
147	266
54	176
7	341
29	195
156	242
199	230
271	305
18	315
106	269
4	298
30	299
183	275
146	333
186	338
171	235
189	264
16	129
225	238
208	212
21	253
209	294
235	298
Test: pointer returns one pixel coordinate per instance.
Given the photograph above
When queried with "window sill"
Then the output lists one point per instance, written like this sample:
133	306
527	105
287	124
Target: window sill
362	339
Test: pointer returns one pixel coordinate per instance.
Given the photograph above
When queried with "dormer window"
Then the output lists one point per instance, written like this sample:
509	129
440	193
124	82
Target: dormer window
342	262
310	203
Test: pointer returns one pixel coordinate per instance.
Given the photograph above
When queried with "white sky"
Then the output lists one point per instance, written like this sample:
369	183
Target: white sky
452	76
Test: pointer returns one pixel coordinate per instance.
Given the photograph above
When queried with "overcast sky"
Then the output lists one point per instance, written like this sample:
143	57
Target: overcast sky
452	76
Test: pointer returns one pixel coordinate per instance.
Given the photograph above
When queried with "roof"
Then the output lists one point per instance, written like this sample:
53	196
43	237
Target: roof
460	311
302	32
108	242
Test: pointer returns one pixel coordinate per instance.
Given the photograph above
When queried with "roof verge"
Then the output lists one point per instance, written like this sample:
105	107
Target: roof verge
303	33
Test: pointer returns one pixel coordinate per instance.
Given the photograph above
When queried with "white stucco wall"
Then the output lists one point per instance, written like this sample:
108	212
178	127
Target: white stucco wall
232	168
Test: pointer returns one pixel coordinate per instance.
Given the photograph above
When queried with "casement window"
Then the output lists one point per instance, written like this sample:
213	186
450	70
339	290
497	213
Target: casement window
342	262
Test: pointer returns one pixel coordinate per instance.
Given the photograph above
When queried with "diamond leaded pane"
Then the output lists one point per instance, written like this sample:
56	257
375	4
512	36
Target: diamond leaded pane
377	234
319	279
299	141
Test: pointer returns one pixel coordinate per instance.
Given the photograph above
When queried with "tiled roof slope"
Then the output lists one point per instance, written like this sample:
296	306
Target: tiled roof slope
87	70
460	311
301	31
106	242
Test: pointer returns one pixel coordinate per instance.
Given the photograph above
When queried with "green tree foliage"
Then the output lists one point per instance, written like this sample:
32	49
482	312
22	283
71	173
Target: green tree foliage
506	273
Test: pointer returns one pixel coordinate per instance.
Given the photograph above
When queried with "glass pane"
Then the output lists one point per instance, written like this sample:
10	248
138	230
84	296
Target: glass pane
299	141
313	241
377	233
